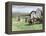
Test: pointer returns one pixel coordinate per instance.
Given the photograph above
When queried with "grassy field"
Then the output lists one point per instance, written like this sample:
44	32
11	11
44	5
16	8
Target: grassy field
22	25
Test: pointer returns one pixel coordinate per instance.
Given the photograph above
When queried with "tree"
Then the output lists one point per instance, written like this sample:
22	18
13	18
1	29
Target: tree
39	10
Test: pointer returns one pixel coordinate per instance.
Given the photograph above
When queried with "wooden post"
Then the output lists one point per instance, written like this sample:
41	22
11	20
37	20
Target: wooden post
25	19
18	18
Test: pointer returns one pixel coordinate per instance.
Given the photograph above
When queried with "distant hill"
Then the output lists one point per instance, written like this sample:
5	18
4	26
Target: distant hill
19	14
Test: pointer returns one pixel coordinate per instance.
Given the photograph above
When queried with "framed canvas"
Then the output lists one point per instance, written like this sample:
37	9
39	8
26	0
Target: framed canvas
22	17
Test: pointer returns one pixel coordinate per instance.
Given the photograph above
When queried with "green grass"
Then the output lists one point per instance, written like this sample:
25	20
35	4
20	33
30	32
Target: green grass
21	25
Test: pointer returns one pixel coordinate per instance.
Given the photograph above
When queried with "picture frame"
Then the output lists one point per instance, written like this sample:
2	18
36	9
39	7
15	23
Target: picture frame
8	17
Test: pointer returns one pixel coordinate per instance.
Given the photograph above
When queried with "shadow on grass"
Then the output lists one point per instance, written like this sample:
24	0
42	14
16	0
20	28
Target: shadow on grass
28	24
31	24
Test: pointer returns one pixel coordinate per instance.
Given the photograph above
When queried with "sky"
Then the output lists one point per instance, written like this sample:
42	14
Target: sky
24	9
